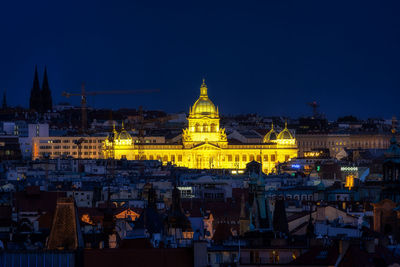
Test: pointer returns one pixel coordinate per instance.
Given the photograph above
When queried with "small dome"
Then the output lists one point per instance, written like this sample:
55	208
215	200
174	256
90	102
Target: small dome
285	134
271	136
123	135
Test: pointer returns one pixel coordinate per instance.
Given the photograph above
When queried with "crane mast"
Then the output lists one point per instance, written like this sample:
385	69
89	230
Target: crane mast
83	94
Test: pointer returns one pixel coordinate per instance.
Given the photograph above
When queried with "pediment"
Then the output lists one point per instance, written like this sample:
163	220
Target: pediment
206	146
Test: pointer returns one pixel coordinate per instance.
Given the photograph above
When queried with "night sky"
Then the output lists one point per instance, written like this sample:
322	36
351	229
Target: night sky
266	57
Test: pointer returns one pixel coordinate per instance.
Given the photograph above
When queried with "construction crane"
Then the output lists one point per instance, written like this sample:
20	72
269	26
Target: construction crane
83	94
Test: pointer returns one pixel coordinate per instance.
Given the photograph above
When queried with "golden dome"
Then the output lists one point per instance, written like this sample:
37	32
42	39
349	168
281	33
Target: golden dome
123	135
285	134
204	106
271	136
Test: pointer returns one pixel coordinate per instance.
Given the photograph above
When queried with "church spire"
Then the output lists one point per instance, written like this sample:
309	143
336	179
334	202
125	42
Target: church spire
35	98
45	84
47	103
279	219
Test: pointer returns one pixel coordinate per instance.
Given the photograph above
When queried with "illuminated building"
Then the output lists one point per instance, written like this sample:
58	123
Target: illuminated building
84	147
204	144
337	142
349	182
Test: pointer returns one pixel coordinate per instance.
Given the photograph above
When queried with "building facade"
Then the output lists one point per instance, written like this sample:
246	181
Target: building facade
84	147
339	142
88	147
204	144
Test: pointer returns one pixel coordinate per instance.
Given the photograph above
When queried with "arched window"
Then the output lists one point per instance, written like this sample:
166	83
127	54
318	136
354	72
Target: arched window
197	127
212	129
205	127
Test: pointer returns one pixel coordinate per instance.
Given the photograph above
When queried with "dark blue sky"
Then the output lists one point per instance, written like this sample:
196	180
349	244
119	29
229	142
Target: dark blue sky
269	57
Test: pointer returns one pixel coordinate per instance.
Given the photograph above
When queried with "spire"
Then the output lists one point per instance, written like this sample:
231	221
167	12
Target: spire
35	97
203	89
123	128
47	103
36	84
272	125
45	84
242	207
394	124
286	124
310	226
176	199
279	220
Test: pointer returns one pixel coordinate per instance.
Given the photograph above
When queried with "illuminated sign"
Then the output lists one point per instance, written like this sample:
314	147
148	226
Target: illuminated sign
186	191
349	169
312	154
237	171
296	166
185	188
349	181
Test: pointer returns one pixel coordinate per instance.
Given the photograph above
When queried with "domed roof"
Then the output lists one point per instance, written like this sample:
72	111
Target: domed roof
285	134
123	135
271	136
204	105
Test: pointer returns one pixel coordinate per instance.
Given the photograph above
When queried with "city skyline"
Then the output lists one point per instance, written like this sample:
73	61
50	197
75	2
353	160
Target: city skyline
267	58
199	133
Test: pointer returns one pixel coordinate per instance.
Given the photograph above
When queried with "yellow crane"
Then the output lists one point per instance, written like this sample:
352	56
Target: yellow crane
84	94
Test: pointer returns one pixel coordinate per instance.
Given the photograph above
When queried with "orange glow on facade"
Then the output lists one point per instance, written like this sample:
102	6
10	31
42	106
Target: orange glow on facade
86	219
128	214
